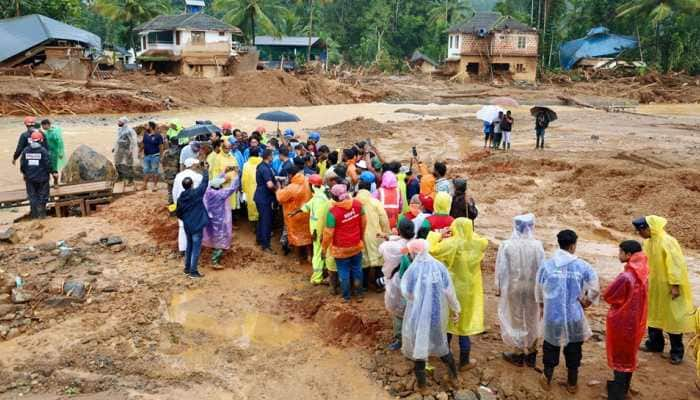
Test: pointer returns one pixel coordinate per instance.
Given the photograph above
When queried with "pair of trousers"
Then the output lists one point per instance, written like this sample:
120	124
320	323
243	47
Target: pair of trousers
539	132
181	236
655	342
38	195
317	262
397	325
620	385
264	227
347	267
506	139
573	353
465	344
194	248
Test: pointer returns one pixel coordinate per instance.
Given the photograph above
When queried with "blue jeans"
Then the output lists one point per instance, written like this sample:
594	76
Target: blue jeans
264	227
194	247
151	164
465	344
347	267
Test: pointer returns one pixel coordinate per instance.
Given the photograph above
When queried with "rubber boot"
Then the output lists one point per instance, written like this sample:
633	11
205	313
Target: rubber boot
452	373
531	360
546	378
216	258
615	391
358	292
377	275
367	277
333	282
572	380
421	379
516	359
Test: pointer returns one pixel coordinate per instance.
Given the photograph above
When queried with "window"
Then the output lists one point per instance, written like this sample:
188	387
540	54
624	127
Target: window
522	40
197	37
452	41
222	33
162	37
143	43
177	38
457	41
520	68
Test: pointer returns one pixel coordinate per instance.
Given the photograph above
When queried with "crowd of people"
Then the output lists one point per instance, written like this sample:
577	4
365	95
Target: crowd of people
369	223
497	132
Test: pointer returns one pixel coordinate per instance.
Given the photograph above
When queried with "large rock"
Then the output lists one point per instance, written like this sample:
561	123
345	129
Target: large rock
87	165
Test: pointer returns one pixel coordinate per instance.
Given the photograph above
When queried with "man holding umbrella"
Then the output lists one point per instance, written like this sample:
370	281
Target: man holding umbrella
543	116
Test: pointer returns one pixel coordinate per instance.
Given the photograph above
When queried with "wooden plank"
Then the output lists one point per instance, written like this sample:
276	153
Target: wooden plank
90	189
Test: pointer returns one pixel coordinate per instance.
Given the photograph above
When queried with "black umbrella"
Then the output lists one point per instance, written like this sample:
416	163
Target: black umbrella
551	115
278	116
200	129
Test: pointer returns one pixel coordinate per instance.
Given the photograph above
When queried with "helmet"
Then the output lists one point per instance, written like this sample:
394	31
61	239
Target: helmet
37	136
261	129
316	180
29	121
288	133
315	136
227	125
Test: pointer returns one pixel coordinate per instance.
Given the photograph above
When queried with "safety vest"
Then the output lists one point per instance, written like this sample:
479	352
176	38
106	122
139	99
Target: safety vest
390	198
348	225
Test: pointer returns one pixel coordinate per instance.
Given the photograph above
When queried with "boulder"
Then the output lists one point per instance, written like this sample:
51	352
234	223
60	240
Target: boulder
465	394
87	165
8	234
74	289
20	296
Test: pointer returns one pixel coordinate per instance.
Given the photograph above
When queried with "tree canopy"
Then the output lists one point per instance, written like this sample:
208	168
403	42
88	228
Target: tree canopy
386	32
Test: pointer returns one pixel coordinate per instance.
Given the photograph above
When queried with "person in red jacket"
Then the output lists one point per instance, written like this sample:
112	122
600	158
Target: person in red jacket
345	228
627	318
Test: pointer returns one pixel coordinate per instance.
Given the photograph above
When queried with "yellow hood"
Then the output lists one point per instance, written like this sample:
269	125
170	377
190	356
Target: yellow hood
462	228
443	202
656	225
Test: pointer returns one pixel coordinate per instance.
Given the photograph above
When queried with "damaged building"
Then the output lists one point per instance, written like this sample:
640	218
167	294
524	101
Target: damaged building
491	44
38	45
191	44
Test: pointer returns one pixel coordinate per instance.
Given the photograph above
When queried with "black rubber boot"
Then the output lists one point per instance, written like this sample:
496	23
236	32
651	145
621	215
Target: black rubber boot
516	359
451	366
464	361
333	282
615	391
572	380
358	293
421	377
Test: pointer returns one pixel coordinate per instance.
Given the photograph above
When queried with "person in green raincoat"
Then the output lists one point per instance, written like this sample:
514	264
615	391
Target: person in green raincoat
317	208
174	128
462	250
57	151
670	295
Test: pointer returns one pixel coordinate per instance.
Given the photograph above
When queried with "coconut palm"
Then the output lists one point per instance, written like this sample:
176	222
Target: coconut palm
449	11
131	12
658	10
263	12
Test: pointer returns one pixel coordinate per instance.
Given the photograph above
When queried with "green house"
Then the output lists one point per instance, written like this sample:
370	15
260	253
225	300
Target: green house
292	48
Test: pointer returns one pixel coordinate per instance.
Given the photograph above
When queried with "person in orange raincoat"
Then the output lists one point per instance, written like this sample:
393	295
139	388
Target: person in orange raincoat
293	197
627	318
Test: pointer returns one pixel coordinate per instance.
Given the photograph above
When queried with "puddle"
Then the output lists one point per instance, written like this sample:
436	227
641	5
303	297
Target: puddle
194	313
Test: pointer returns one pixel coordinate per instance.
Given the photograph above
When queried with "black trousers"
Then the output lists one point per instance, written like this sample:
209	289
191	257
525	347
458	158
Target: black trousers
572	354
619	386
38	195
655	342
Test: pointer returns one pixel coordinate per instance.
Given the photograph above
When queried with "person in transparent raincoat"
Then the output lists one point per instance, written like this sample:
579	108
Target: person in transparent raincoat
219	231
427	287
517	263
566	285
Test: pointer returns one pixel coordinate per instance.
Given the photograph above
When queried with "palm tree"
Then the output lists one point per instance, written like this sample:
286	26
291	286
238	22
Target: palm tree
658	10
448	11
236	12
131	12
311	22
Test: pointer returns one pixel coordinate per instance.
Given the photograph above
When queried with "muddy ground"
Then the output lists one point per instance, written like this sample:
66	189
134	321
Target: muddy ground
258	330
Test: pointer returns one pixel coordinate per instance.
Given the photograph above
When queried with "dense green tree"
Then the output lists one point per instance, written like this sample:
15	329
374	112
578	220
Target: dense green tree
131	12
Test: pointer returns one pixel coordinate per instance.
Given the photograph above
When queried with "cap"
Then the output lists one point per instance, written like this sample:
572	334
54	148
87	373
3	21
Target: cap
316	180
190	162
367	176
315	136
362	164
288	133
640	223
29	121
37	136
261	129
405	169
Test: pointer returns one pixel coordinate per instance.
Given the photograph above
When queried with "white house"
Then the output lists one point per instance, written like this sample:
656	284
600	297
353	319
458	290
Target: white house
188	44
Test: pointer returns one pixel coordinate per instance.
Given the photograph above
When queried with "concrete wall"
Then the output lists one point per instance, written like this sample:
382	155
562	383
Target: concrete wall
210	38
498	43
520	68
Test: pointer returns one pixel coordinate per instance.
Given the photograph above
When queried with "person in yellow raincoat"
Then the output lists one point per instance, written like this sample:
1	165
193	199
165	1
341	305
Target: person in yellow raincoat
292	197
401	178
214	160
670	295
317	208
248	184
229	165
696	343
462	251
377	228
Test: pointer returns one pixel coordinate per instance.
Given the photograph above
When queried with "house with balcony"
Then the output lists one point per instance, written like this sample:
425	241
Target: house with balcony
192	44
491	44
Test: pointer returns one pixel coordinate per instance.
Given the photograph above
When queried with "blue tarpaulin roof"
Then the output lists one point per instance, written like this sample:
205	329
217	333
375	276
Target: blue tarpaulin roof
597	43
22	33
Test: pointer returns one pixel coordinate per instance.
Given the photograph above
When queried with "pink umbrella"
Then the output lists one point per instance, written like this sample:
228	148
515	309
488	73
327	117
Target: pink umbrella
505	101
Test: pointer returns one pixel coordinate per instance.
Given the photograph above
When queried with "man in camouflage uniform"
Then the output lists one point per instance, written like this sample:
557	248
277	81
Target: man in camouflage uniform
171	165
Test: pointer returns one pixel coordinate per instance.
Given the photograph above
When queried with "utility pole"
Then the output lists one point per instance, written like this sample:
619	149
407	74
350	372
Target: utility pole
311	30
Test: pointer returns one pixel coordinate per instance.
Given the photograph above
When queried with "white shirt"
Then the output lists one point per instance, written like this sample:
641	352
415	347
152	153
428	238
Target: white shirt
177	184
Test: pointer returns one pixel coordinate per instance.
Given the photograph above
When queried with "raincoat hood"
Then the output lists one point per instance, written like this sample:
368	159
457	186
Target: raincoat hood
462	228
177	123
389	180
460	186
638	265
524	227
363	196
656	225
443	202
563	257
298	178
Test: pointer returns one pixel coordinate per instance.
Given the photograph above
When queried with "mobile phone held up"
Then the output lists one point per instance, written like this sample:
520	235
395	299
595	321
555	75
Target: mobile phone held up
415	152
